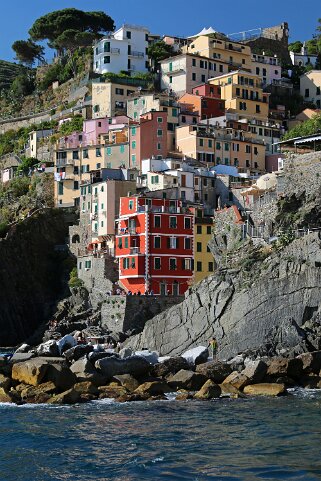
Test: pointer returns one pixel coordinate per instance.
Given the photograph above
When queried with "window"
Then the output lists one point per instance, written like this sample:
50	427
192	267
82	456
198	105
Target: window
201	142
210	144
203	78
120	243
102	206
194	62
199	266
160	120
243	106
76	170
106	59
255	151
157	263
199	229
172	222
60	188
131	205
126	242
247	162
318	91
247	149
154	179
128	34
307	93
87	264
126	263
98	152
170	79
75	155
194	77
157	221
159	146
98	165
226	146
134	159
133	130
186	264
157	242
172	264
107	47
102	224
218	145
174	112
119	91
76	185
134	144
187	243
257	109
159	133
85	154
172	242
210	266
199	247
187	223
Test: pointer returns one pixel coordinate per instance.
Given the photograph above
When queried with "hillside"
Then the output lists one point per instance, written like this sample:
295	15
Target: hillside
8	71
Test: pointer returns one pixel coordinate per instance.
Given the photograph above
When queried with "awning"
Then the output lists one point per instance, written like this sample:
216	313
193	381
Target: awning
310	139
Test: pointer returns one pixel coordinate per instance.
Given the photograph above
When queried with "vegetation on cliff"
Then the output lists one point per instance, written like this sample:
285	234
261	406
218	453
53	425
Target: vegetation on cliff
309	127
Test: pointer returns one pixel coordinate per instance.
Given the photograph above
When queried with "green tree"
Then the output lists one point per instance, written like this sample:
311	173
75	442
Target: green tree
295	46
73	125
309	127
51	26
26	164
28	51
23	85
159	51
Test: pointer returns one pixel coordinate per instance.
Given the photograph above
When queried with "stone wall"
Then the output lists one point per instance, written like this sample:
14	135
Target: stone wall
125	313
99	278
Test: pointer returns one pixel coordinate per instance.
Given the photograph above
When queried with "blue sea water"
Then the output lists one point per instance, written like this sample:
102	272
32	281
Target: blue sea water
228	440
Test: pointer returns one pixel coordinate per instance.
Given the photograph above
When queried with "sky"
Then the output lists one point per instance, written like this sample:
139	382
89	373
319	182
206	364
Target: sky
174	17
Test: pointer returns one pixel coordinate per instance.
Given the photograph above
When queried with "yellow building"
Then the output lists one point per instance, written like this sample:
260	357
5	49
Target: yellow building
310	87
235	54
204	263
226	146
243	94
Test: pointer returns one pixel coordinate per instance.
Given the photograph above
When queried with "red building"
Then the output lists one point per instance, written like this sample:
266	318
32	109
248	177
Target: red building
205	101
154	245
148	138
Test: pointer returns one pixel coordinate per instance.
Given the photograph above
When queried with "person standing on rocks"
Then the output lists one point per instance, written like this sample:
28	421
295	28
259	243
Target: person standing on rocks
213	346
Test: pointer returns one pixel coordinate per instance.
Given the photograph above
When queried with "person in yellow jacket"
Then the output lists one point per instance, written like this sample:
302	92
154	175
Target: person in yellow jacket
213	347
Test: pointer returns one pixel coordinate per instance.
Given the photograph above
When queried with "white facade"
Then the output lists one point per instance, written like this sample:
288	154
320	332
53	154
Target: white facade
125	49
267	67
302	59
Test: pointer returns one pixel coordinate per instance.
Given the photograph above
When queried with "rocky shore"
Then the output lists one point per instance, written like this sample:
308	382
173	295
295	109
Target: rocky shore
79	374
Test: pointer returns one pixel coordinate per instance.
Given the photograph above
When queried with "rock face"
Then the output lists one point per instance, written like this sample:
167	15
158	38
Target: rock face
30	287
274	308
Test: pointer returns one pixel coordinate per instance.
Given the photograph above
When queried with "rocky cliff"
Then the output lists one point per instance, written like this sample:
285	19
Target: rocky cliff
271	305
32	268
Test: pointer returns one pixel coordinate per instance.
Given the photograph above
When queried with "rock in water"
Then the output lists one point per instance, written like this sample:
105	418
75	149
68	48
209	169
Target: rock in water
187	380
265	389
216	371
109	367
255	371
85	371
209	390
170	366
128	381
197	355
30	372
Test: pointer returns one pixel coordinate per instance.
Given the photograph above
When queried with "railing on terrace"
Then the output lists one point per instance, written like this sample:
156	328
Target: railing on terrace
134	53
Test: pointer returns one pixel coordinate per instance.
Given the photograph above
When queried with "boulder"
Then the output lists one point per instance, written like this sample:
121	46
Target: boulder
237	380
187	380
151	357
111	366
95	356
197	355
237	363
279	366
128	381
215	370
265	389
112	391
21	357
125	352
85	371
255	371
131	397
49	348
38	394
209	390
23	348
5	382
184	396
86	388
66	343
68	397
30	372
170	366
311	362
230	391
153	388
6	396
61	376
77	352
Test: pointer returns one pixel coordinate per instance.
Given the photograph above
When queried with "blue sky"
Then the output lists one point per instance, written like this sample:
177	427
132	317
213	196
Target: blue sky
176	17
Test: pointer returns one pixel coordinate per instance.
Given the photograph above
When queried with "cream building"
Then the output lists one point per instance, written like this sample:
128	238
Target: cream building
182	73
310	87
110	98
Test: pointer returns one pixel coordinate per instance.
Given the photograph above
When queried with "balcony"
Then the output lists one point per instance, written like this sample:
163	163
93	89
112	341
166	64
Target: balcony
134	53
134	251
126	231
115	51
233	47
174	71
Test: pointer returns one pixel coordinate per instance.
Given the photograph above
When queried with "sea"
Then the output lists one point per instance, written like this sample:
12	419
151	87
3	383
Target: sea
225	439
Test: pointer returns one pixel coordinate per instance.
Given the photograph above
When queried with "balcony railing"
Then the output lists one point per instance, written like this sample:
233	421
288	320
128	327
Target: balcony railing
134	53
127	231
134	250
233	47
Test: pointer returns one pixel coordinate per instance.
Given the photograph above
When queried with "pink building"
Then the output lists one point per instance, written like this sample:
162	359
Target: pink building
148	138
